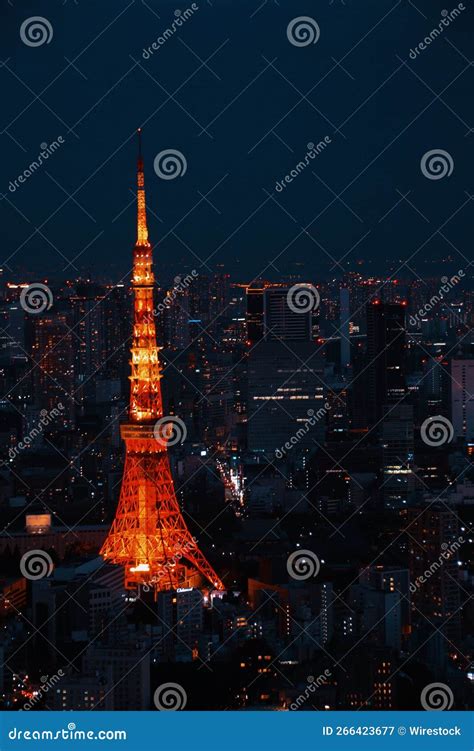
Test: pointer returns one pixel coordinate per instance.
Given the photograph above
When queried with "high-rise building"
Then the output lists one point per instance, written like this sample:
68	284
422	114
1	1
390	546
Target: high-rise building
386	356
433	542
285	396
12	335
344	327
391	579
398	449
435	388
53	359
182	613
89	328
378	614
124	667
462	398
271	316
283	322
254	315
219	386
285	377
117	335
322	602
176	322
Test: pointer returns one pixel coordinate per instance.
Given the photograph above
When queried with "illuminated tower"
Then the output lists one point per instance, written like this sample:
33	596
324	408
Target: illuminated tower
149	536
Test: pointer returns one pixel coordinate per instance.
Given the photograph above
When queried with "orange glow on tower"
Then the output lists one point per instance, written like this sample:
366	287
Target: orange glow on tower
149	536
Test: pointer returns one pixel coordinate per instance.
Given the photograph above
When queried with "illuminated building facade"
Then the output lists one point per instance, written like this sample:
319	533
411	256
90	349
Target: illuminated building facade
462	399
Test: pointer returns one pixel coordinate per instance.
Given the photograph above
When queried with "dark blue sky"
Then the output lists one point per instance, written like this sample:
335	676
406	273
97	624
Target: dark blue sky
251	98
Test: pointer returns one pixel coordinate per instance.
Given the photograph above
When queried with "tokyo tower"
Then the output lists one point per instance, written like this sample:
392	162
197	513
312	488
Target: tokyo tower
149	536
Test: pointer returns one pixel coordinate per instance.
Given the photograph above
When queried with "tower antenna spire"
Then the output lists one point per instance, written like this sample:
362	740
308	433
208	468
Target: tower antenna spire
140	158
142	229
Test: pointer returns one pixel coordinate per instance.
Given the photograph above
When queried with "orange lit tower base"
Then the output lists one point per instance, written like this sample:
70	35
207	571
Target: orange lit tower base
149	536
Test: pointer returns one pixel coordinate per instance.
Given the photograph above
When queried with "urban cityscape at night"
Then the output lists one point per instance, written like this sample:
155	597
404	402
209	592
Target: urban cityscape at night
237	422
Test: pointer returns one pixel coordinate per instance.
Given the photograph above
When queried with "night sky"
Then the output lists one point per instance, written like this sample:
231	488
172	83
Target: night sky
241	102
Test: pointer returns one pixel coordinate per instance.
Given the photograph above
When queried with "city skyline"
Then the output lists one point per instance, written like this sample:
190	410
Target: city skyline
237	415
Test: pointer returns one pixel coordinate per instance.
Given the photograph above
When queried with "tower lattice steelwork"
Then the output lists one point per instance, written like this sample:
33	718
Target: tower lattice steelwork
149	536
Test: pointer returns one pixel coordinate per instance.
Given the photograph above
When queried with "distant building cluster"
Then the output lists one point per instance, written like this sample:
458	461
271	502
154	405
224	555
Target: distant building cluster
343	427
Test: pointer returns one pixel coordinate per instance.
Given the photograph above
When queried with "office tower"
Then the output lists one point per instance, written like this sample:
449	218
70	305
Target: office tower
281	321
149	535
13	332
435	387
398	453
387	605
89	328
378	614
344	327
126	668
53	356
285	395
117	335
433	542
391	579
254	315
234	333
176	321
322	601
361	292
386	356
182	614
218	312
219	386
462	398
285	380
337	400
